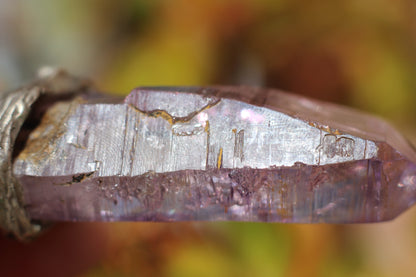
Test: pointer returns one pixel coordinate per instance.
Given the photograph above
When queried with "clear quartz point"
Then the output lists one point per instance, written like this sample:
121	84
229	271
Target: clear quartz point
216	153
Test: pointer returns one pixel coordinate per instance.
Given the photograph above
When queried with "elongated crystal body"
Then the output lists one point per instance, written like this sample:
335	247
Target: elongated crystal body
218	153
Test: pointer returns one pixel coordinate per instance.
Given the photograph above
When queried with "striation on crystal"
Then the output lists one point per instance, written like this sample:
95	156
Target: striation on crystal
215	153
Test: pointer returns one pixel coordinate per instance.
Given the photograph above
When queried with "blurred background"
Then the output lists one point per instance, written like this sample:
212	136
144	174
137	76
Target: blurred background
360	53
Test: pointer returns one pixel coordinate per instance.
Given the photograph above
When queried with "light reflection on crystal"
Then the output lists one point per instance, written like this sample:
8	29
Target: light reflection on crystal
202	118
251	116
408	179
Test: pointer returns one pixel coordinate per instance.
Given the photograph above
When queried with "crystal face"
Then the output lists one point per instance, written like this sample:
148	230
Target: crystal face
218	153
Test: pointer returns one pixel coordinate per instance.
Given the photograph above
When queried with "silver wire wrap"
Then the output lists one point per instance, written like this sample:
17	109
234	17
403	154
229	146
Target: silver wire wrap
15	106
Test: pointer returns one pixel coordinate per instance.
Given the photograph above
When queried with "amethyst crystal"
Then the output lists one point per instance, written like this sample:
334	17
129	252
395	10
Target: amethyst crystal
218	153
